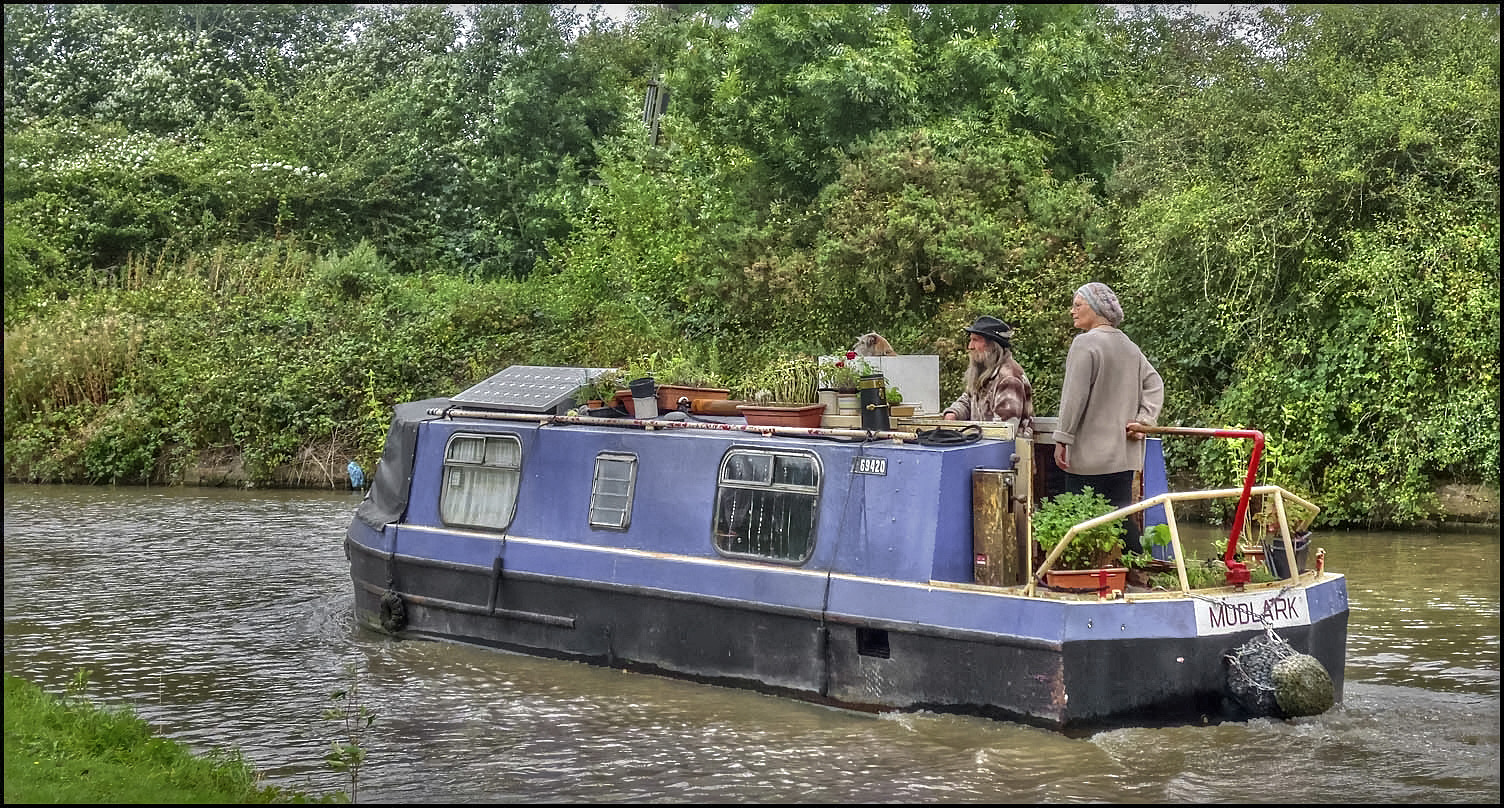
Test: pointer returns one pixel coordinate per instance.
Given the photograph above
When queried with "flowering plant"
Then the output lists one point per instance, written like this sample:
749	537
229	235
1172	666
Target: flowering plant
841	372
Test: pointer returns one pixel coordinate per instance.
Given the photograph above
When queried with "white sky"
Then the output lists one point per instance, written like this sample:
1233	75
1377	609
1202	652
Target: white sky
616	11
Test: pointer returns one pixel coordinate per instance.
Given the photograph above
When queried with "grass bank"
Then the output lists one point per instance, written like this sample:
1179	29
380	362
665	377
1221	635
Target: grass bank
63	749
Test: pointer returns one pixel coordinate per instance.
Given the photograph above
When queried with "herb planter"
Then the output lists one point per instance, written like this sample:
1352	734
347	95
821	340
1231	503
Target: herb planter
1144	576
1099	547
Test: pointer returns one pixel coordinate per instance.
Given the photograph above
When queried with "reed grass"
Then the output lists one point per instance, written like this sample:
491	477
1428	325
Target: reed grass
72	357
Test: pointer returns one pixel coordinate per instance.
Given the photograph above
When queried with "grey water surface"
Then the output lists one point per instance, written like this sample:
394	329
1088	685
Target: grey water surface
223	618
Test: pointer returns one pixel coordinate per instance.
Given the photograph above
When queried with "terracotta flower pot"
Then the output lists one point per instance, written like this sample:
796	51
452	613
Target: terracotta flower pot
624	402
669	395
1102	580
804	415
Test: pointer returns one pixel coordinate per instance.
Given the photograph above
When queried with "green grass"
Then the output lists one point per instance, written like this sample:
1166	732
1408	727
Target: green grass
63	749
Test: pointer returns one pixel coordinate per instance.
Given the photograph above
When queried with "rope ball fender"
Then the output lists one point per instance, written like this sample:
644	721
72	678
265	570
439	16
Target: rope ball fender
1270	678
393	612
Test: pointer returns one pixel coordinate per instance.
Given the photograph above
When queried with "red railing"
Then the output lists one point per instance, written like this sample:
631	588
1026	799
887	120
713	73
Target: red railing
1237	571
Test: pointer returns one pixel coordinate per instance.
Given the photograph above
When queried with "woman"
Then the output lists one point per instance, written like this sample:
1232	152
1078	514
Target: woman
1109	389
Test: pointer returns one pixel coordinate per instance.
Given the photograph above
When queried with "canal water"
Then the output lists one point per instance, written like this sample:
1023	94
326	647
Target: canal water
223	618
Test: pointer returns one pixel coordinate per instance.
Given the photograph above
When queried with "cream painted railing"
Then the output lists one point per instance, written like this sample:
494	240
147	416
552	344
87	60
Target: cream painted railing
1168	500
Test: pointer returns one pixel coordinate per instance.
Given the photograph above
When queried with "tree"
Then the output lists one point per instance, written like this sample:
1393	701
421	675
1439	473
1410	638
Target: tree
1316	242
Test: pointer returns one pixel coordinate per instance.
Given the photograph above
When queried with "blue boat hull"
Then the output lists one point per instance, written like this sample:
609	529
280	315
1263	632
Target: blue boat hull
1065	665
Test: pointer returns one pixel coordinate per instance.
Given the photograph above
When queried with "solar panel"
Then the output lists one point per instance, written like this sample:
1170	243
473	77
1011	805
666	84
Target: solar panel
529	388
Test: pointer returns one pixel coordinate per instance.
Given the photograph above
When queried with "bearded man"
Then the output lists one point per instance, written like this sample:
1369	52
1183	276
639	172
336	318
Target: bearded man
996	387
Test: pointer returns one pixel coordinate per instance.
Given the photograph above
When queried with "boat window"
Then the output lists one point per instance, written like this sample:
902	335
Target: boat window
611	491
481	476
765	504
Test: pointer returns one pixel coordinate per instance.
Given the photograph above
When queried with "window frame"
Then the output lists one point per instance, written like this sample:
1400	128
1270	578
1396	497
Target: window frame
470	474
763	494
630	495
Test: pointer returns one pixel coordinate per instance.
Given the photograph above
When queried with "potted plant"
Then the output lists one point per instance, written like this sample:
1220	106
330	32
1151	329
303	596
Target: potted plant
1090	560
840	374
681	378
788	379
783	394
600	391
896	407
1143	565
1204	574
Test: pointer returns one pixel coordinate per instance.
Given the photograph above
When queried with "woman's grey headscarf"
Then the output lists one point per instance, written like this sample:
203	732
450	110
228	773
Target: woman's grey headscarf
1103	301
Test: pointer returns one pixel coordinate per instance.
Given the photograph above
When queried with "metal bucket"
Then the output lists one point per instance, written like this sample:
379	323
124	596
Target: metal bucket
1274	554
644	397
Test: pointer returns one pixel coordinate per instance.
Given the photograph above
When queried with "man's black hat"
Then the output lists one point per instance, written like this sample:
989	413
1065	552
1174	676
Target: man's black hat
994	329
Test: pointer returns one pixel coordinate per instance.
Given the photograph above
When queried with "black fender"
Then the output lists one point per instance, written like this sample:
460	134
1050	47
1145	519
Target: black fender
393	611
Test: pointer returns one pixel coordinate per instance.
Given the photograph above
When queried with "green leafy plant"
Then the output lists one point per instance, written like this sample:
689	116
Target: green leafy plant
789	379
675	369
895	395
1094	548
1265	519
78	685
347	752
602	388
682	370
1154	536
1205	574
642	367
1199	574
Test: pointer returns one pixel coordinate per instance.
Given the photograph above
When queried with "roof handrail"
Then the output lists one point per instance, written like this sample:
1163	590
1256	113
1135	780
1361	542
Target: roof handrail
657	423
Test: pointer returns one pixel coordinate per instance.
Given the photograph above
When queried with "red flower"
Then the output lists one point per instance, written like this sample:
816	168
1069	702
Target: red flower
851	354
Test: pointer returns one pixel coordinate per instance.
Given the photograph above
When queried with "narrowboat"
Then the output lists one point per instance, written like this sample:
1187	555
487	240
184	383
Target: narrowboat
882	566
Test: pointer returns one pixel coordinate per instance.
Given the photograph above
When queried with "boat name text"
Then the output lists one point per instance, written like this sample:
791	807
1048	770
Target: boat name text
1269	609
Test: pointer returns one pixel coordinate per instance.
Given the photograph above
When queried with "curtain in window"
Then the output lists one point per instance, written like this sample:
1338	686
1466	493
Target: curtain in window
481	478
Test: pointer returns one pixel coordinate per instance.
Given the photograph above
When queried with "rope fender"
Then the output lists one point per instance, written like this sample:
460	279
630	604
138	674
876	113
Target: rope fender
393	612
